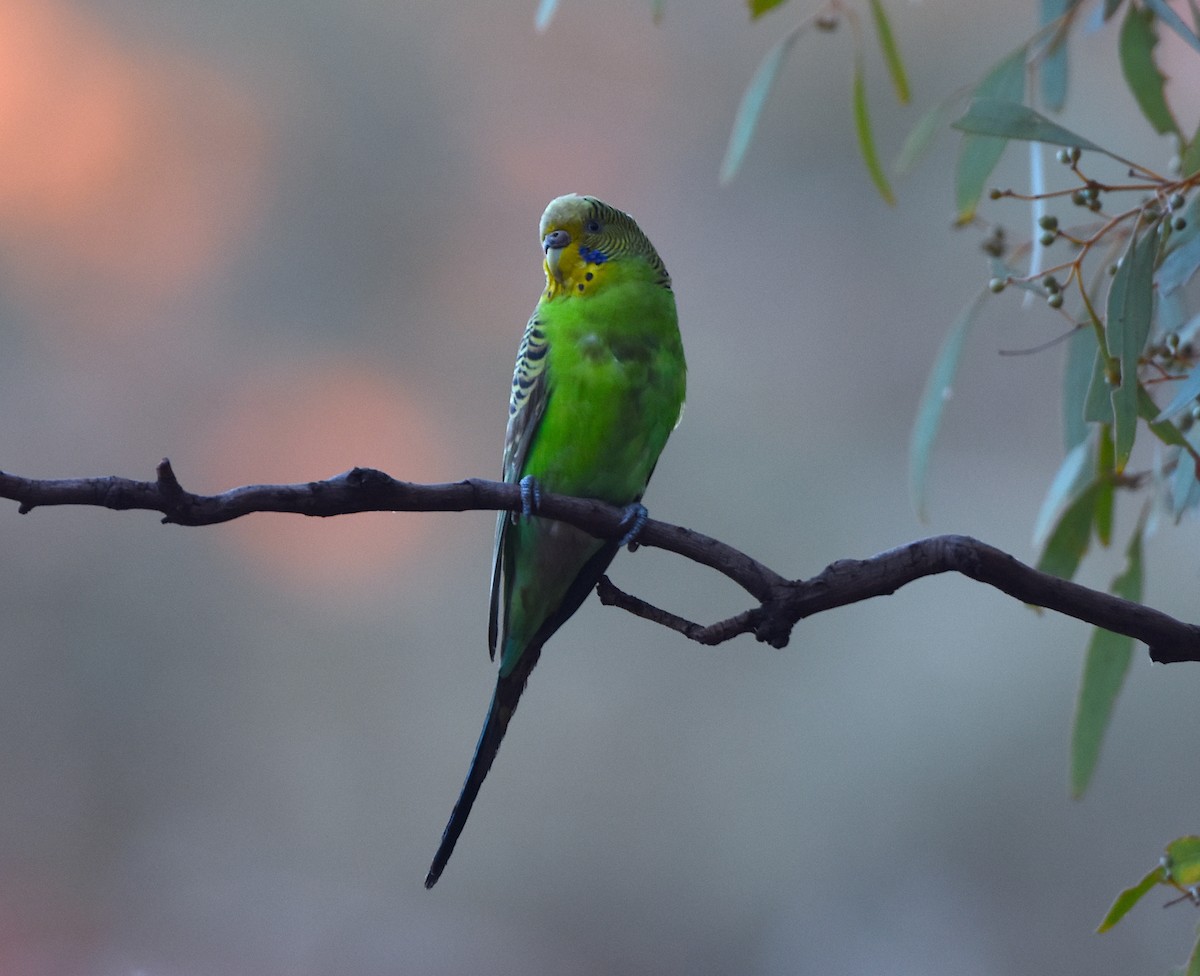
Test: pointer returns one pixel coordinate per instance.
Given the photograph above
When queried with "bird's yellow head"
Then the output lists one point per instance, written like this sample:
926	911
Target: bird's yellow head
585	239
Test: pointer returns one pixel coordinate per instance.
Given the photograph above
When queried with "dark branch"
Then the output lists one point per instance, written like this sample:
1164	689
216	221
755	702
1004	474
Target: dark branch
781	603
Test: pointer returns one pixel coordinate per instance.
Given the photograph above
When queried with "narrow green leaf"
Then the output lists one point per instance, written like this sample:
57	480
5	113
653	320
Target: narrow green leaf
1138	38
1068	542
921	138
938	388
1011	120
1076	471
978	155
1193	963
1105	463
753	99
866	138
1183	860
1130	897
891	53
1097	408
1185	489
1162	10
545	13
1108	658
1129	312
1171	314
1077	375
1189	159
760	7
1164	430
1052	72
1185	393
1183	251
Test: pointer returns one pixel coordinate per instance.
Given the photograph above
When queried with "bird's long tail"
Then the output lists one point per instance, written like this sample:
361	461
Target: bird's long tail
504	703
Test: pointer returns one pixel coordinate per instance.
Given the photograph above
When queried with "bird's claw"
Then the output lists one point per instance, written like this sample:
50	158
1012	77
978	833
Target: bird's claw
531	495
633	520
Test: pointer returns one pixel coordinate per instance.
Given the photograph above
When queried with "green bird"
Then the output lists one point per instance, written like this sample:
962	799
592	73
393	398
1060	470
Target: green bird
598	388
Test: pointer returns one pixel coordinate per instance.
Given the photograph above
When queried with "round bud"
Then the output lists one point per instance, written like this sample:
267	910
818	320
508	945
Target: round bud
1050	283
1048	238
1048	222
1055	299
1177	200
1179	223
998	284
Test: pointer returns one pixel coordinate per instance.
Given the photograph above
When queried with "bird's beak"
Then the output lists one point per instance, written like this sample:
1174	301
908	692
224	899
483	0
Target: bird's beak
554	244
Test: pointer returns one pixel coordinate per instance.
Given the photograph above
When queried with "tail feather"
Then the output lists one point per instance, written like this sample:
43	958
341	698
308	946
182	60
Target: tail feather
504	703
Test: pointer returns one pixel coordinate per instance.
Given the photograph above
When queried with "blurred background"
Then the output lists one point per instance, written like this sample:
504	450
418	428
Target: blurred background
279	239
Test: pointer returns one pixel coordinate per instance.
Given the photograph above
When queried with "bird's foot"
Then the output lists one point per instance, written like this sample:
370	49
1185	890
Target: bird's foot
633	520
531	495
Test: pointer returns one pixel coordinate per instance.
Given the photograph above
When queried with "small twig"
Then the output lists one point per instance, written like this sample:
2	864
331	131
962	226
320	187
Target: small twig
781	603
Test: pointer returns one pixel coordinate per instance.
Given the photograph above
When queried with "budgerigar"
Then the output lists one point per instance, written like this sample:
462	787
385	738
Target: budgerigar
598	387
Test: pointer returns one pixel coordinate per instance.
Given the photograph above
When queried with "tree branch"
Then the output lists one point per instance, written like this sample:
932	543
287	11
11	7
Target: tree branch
781	602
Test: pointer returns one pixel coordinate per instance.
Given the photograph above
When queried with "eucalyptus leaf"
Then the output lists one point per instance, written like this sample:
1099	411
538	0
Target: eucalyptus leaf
1052	72
1162	10
1136	48
866	137
760	7
1075	472
1183	250
1077	375
1097	407
1107	664
917	144
890	51
979	154
937	392
1189	159
1185	395
1185	489
1164	430
1130	897
753	99
1183	860
1011	120
1130	309
1105	496
1068	542
545	14
1193	964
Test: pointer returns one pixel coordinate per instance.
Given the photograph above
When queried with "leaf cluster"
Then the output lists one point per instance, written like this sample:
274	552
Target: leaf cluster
1111	258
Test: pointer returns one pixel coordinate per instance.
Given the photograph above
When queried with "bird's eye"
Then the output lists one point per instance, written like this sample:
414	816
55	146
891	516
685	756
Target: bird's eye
592	227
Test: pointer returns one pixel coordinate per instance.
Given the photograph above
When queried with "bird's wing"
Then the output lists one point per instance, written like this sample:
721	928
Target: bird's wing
526	404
